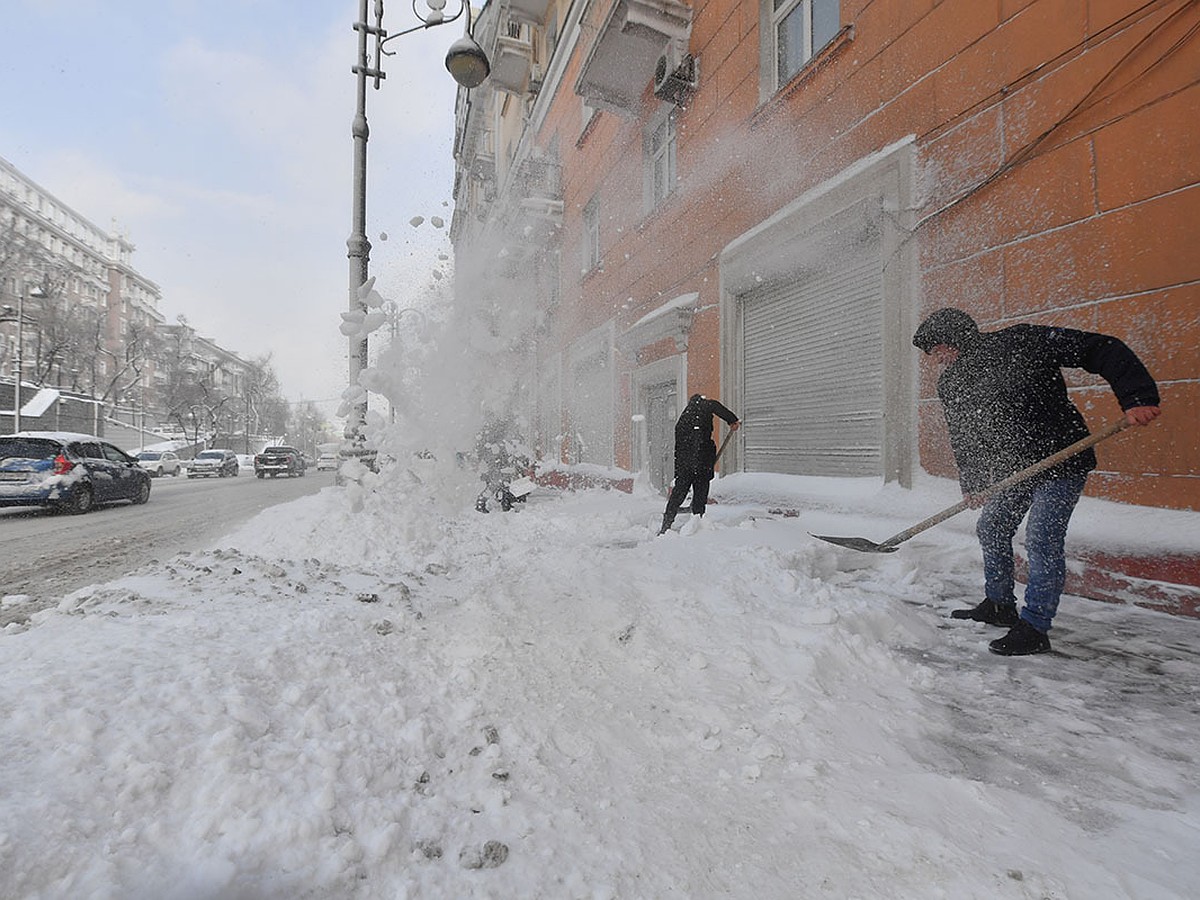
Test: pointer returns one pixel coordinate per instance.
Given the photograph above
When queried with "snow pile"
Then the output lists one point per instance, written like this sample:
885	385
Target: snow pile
553	703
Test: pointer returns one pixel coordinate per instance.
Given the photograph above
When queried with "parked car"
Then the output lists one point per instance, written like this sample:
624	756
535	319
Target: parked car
327	461
213	462
159	462
68	471
279	461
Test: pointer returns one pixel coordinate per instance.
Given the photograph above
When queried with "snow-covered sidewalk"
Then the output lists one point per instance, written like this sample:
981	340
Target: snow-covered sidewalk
553	703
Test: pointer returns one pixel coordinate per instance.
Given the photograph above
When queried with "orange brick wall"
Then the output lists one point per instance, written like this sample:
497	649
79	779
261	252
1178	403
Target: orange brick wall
1097	230
1060	159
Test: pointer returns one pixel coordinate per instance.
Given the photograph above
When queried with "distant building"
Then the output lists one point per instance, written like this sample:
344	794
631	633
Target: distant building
92	325
761	200
45	243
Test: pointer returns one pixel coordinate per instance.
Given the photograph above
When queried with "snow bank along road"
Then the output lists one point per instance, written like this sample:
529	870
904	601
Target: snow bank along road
47	554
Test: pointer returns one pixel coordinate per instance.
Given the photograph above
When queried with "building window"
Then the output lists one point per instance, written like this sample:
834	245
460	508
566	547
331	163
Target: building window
800	29
660	158
591	235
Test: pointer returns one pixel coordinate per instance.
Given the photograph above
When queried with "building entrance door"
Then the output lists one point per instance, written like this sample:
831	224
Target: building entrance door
662	409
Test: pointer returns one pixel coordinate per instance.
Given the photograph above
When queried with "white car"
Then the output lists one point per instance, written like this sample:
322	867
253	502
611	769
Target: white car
327	461
159	462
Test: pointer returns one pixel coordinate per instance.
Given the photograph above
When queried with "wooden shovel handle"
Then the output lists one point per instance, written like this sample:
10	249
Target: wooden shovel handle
1028	472
728	435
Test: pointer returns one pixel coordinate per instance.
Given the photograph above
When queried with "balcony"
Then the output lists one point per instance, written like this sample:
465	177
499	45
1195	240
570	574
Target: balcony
512	57
533	11
475	141
620	65
537	189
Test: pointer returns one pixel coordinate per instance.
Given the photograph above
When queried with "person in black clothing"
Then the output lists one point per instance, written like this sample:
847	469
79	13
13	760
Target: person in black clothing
1006	407
695	454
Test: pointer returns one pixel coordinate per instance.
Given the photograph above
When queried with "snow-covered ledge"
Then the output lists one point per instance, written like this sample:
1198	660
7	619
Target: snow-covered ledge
671	320
620	64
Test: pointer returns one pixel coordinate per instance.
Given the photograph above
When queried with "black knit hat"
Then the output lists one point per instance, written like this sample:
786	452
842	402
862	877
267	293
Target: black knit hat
948	326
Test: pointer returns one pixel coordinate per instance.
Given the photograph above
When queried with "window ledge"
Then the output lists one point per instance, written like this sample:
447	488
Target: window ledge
588	127
808	71
657	211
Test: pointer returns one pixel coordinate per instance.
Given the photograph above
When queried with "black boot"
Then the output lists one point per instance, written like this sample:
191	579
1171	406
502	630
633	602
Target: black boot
993	612
666	525
1022	640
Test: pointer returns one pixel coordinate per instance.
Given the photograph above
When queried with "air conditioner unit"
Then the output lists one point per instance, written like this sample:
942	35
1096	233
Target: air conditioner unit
674	80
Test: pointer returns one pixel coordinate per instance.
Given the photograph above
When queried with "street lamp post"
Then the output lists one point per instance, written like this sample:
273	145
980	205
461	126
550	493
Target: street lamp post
20	362
19	318
469	66
395	312
142	414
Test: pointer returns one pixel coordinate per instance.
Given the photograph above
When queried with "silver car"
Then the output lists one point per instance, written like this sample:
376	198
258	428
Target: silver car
213	462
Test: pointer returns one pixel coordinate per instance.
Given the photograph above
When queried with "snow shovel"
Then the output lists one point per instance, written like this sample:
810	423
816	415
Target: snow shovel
888	546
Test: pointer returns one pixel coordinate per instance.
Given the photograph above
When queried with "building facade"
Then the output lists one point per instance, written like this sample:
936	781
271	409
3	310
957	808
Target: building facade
89	315
761	200
90	325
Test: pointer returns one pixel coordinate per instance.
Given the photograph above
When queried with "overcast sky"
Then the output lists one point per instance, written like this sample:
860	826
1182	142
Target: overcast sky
215	134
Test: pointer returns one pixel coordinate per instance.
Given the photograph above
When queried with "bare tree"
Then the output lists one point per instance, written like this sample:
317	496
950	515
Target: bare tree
58	329
266	412
128	362
59	323
308	427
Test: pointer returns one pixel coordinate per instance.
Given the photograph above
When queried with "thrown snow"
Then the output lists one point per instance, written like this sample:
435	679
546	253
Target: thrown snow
553	703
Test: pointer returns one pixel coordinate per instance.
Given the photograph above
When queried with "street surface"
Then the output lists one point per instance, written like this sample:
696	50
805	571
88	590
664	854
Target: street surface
46	555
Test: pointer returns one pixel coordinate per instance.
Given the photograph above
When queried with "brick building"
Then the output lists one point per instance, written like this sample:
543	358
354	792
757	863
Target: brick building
760	201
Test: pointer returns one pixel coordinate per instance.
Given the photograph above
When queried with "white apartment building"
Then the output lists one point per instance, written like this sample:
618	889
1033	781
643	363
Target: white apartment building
90	321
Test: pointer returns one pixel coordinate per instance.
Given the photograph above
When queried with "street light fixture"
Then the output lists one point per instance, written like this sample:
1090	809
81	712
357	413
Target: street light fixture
467	63
469	66
19	318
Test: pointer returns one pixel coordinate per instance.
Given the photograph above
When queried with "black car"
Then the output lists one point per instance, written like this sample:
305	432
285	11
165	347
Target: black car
67	471
280	461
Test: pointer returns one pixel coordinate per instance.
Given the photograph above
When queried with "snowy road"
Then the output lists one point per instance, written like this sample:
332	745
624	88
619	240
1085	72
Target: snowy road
44	555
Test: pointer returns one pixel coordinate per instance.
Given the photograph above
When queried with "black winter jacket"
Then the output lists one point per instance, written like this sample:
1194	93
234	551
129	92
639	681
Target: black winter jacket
694	447
1006	403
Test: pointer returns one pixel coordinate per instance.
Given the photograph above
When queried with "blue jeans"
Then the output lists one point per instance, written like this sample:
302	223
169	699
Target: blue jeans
1049	503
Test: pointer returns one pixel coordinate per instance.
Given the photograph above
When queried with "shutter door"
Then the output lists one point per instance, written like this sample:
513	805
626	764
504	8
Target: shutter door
813	373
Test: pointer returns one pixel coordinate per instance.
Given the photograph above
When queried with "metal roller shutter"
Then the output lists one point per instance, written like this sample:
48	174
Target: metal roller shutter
813	373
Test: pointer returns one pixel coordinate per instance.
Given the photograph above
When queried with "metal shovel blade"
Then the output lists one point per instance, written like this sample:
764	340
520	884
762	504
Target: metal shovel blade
856	543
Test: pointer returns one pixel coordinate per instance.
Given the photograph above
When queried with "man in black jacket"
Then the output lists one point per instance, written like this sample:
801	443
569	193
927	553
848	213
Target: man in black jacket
1006	407
695	454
